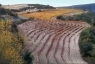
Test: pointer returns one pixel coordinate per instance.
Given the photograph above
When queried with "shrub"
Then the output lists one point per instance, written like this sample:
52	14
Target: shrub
60	17
28	58
87	45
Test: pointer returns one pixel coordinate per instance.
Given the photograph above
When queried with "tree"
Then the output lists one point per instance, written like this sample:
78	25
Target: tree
27	58
60	17
0	5
86	47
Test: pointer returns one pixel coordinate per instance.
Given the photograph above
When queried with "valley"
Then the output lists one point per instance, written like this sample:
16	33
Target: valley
43	34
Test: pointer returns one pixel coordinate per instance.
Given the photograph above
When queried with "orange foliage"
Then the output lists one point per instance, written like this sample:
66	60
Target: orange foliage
10	45
46	15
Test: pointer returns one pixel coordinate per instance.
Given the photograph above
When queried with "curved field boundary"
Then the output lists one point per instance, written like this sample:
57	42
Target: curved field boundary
54	41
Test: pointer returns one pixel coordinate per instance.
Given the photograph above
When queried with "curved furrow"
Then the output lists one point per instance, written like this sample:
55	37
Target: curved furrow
43	54
51	50
37	35
77	51
37	47
46	43
29	32
53	42
65	49
63	42
42	59
39	42
31	43
59	47
41	47
45	31
57	52
72	50
71	46
35	53
43	51
33	34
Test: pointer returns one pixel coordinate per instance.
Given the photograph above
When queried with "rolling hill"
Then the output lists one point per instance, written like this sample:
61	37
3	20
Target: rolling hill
25	7
90	7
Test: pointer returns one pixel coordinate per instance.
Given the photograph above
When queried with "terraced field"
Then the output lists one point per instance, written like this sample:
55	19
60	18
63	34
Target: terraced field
53	42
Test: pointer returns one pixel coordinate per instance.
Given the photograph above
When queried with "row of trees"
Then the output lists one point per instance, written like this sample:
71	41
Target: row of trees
86	17
0	5
87	45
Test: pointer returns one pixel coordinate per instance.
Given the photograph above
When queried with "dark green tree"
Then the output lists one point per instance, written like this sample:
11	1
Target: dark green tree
60	17
86	47
28	58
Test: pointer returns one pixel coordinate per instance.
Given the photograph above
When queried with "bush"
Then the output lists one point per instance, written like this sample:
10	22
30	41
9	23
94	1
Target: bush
85	17
31	18
39	11
85	48
87	45
60	17
28	58
21	21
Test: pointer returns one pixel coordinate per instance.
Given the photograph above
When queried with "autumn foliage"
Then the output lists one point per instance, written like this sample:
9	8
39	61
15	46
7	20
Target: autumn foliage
46	15
10	45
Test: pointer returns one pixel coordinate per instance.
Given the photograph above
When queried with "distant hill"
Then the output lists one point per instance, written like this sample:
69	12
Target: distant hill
40	6
90	7
25	7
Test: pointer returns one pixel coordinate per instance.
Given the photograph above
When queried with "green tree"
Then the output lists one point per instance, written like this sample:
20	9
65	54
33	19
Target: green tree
28	58
86	47
60	17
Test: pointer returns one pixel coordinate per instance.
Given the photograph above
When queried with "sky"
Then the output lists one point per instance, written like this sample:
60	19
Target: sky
54	3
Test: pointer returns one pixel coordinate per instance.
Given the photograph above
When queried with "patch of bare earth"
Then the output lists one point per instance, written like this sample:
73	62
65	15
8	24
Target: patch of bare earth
53	42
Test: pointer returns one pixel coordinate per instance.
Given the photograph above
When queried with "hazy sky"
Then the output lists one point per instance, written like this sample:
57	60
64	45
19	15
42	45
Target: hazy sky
48	2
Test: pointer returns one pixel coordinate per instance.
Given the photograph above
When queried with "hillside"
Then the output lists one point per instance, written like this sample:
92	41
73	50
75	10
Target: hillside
90	7
26	7
46	39
48	14
53	42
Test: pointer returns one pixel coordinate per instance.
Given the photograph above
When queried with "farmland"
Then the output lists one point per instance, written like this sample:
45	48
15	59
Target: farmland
43	34
53	42
46	15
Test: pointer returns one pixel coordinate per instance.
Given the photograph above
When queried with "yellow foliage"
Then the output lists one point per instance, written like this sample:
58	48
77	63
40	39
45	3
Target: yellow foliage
10	45
46	15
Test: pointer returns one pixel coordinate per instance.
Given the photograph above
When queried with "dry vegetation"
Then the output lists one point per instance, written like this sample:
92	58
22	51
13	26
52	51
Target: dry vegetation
49	41
46	15
10	45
